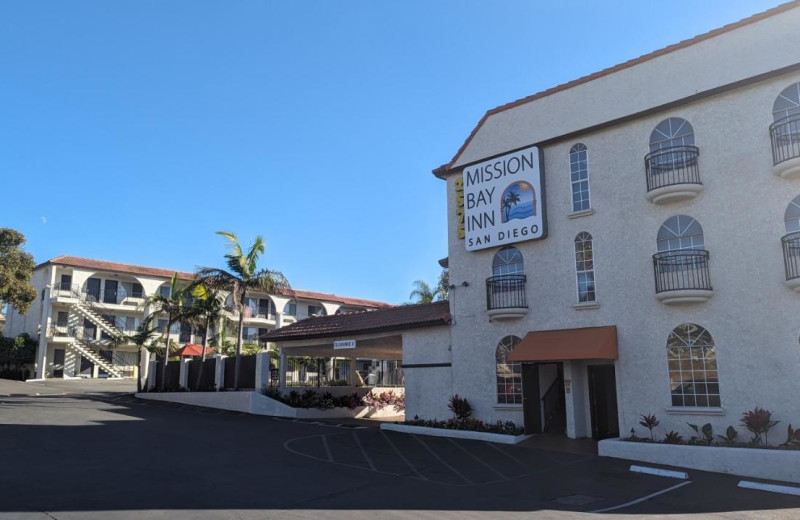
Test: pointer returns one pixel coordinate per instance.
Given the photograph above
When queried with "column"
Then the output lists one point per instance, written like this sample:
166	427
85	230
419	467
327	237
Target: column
151	375
219	372
183	378
262	370
44	325
283	366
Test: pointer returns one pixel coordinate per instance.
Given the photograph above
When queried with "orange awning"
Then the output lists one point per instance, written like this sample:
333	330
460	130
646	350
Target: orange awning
566	344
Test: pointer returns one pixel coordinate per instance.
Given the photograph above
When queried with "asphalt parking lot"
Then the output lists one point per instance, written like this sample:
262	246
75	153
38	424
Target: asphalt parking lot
89	450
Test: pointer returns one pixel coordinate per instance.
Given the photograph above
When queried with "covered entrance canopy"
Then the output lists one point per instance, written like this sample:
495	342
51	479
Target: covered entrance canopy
567	344
363	348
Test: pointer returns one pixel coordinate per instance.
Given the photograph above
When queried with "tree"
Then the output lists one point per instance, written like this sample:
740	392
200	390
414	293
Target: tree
242	276
176	308
16	271
210	309
143	337
424	293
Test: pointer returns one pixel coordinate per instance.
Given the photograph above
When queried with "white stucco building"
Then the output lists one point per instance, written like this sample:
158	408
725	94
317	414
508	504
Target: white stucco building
85	308
656	267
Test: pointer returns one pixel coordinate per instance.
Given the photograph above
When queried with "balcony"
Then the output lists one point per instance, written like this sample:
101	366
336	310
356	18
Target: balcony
791	259
682	276
505	297
672	174
785	136
63	291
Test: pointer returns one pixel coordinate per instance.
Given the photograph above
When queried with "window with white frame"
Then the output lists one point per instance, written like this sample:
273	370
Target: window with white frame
791	218
508	261
290	309
679	233
579	177
671	132
692	358
787	103
509	374
584	267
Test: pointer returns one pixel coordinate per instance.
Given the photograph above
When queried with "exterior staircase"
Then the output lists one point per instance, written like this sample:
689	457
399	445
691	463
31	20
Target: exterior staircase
85	351
80	345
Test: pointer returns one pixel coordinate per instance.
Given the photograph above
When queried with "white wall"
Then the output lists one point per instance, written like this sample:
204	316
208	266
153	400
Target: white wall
753	317
428	388
760	47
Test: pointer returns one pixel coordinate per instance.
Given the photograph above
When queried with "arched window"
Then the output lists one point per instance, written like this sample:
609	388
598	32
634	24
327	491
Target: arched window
290	309
792	216
692	358
579	177
787	103
584	267
509	375
680	232
671	132
508	261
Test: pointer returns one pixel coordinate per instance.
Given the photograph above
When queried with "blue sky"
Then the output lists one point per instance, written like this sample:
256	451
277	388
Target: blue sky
132	130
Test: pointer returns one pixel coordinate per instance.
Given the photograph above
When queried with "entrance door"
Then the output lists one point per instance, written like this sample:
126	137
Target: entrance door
531	400
87	367
58	362
110	294
93	289
603	401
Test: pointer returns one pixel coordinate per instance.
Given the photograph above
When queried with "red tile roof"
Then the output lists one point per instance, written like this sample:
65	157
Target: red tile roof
116	267
443	169
365	322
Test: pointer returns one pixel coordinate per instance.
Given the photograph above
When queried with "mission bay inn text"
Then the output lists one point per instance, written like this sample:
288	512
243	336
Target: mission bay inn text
503	199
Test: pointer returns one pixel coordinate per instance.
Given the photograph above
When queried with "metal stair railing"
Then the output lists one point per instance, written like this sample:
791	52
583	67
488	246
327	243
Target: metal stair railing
95	357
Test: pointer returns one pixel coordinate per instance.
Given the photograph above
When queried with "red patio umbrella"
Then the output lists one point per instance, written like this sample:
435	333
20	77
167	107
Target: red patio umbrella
192	350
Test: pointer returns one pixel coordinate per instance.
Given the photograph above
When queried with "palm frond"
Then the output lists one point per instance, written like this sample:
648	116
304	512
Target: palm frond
256	250
269	281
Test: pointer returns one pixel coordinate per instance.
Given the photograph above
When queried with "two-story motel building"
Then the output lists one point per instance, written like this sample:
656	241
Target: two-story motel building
629	243
86	310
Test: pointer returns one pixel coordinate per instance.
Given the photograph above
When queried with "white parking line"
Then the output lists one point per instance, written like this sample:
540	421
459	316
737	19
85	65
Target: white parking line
440	459
364	452
660	472
643	499
772	488
400	454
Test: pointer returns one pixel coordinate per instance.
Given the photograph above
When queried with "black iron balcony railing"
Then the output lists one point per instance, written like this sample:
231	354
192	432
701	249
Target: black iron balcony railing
673	165
791	255
785	135
506	292
686	269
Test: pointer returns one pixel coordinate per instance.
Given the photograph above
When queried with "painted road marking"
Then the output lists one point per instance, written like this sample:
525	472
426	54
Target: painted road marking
772	488
440	459
480	460
642	499
363	451
660	472
327	448
403	457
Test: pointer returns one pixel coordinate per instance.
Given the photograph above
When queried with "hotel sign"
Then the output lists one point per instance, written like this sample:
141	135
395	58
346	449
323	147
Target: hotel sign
343	344
504	200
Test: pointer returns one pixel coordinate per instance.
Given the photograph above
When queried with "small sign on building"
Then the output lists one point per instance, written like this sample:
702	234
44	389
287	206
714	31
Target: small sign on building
344	344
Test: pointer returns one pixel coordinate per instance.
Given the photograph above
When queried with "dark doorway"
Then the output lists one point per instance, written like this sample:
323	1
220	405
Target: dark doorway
87	367
603	401
110	294
554	406
58	362
93	289
531	400
66	282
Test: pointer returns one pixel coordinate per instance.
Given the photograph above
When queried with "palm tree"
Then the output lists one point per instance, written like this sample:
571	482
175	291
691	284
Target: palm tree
424	293
176	307
242	276
511	198
144	334
210	307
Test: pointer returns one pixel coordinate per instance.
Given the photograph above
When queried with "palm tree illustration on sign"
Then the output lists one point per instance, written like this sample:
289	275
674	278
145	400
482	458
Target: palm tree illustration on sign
518	201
